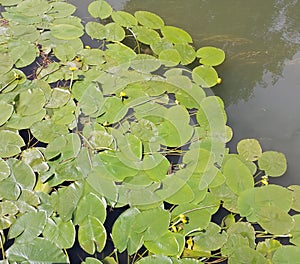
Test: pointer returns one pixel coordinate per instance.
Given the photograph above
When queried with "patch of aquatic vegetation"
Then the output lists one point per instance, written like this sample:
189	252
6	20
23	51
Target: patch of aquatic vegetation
125	125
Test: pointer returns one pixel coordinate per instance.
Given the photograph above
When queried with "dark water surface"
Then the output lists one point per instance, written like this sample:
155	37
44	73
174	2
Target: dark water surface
261	74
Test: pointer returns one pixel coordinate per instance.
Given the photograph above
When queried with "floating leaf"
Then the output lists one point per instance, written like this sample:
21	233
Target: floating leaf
90	260
92	235
123	234
123	18
186	52
205	76
4	170
35	159
114	32
238	176
6	111
100	8
33	7
59	232
170	244
28	226
286	254
155	259
296	197
273	163
62	9
243	254
91	205
10	143
169	57
6	63
146	35
268	247
8	210
252	200
211	56
250	149
64	52
145	63
66	31
295	232
212	239
149	19
28	252
176	35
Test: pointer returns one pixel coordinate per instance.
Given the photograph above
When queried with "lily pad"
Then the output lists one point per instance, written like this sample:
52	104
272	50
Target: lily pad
211	56
205	76
10	143
176	35
66	31
124	19
100	8
6	111
250	149
273	163
149	19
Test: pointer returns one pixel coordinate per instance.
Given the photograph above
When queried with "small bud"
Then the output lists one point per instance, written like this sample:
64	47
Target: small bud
87	47
219	81
174	229
72	68
122	94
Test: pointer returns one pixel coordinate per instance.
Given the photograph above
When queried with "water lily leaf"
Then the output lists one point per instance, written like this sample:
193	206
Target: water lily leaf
295	232
246	254
66	200
211	239
35	159
91	205
61	9
170	244
33	7
28	226
186	52
169	57
92	235
238	176
296	197
114	110
120	53
6	111
158	46
6	63
90	260
275	220
273	163
92	56
176	35
250	149
114	32
145	63
123	18
28	252
123	234
246	230
184	195
47	130
146	35
268	247
152	223
59	232
10	143
100	9
211	56
149	19
64	53
24	32
252	200
30	102
4	170
155	259
24	122
204	75
66	31
286	254
22	52
9	2
8	210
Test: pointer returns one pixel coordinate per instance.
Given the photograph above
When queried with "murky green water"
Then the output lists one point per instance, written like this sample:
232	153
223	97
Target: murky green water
261	75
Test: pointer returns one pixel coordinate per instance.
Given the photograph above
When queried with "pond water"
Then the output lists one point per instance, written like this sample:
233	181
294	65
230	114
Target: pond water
261	74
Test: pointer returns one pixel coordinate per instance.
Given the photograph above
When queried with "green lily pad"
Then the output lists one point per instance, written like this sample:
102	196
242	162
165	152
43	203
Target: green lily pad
4	170
170	57
146	35
176	35
287	254
250	149
100	8
66	31
186	52
61	9
33	7
10	143
6	111
149	19
211	56
124	19
204	75
6	63
92	235
273	163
